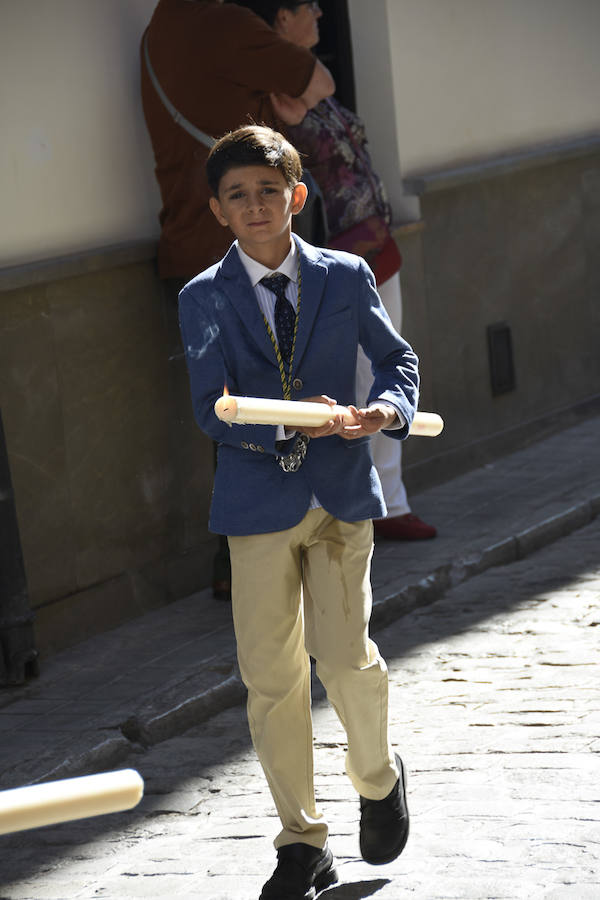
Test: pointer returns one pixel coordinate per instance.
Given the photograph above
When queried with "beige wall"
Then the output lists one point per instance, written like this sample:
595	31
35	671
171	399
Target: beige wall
112	478
76	168
471	78
437	81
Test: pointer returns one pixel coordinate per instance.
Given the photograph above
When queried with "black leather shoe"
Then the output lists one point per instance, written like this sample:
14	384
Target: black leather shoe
302	872
384	823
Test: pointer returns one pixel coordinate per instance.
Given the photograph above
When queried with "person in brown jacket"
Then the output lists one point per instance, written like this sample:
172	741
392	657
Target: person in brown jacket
214	67
220	66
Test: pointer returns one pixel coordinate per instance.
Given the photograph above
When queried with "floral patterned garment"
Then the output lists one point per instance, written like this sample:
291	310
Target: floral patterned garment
329	154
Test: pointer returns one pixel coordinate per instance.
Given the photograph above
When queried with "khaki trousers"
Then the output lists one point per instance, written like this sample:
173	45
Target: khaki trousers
306	592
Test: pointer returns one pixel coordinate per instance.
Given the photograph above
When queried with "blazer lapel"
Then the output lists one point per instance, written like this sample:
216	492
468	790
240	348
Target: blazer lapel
236	285
313	273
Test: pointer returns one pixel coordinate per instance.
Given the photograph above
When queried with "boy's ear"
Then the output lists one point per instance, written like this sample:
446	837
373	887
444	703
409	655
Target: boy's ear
217	211
299	195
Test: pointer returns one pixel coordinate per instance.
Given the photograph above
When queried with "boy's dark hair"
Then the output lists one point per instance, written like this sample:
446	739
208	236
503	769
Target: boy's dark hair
253	145
266	9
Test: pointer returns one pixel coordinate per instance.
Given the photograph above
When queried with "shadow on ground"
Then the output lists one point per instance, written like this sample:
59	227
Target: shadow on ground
358	890
25	854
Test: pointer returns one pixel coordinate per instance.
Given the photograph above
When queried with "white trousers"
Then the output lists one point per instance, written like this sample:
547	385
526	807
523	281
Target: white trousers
386	452
303	592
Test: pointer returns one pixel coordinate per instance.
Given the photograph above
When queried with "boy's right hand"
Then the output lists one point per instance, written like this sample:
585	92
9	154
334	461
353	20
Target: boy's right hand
334	426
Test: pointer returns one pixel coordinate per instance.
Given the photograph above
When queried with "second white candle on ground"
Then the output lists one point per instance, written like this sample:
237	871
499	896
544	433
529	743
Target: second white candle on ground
71	798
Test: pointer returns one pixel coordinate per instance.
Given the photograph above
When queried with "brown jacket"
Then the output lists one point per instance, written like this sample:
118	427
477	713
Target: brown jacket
217	64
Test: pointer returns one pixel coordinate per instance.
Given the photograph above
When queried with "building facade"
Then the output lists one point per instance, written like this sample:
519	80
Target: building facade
483	120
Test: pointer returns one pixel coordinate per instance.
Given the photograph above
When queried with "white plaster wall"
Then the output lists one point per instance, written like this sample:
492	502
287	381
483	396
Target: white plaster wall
470	78
376	93
438	81
76	166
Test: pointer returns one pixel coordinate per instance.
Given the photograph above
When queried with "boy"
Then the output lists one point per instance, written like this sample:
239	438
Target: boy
297	508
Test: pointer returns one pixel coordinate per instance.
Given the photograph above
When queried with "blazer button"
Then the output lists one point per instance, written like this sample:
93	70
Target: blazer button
252	446
297	384
244	445
260	449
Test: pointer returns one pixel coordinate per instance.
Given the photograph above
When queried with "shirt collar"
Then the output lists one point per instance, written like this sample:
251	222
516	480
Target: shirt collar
256	270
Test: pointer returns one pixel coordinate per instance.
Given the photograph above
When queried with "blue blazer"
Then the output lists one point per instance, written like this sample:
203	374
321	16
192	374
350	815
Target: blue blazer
226	342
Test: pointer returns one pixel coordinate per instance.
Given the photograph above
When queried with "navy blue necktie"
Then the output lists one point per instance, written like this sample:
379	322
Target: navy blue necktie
285	317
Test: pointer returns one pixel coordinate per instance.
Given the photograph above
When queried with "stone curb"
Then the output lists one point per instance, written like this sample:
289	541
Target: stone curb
139	733
107	755
185	715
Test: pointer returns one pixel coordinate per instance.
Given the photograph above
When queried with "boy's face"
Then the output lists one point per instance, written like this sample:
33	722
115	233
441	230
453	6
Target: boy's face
257	204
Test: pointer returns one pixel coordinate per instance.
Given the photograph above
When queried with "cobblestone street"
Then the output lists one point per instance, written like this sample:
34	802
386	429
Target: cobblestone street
496	711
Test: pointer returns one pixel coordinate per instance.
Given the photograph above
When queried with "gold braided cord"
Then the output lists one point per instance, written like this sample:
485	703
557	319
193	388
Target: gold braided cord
286	379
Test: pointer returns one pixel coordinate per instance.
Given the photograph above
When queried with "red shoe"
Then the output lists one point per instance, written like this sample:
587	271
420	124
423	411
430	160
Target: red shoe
403	528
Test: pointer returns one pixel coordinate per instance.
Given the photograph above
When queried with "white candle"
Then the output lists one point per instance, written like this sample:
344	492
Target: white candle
302	414
264	411
426	424
71	798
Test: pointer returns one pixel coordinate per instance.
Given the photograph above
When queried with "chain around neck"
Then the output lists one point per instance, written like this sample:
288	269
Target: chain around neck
286	377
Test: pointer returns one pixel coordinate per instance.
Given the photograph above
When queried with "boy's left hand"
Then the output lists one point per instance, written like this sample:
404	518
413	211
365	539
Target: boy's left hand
370	420
367	421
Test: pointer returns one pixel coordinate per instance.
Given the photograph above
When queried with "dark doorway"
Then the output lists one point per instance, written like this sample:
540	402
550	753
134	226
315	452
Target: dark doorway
335	49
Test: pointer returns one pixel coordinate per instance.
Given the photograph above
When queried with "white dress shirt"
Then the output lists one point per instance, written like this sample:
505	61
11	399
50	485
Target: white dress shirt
266	298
